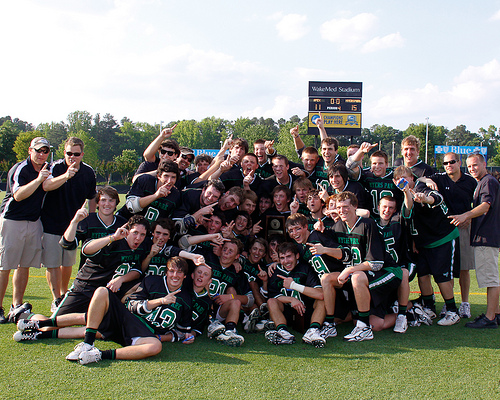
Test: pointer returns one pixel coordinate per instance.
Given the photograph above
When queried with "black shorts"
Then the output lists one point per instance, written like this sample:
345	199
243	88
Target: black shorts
74	302
383	285
441	262
120	325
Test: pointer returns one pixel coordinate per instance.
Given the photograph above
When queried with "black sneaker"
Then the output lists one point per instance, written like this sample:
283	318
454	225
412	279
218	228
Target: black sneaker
482	322
3	320
15	312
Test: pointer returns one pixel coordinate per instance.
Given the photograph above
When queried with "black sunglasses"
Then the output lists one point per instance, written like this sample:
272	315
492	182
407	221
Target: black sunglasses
449	162
69	154
170	153
187	157
42	150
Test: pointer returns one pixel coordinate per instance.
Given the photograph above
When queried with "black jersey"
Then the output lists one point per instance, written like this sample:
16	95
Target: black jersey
30	208
364	241
223	278
200	310
190	203
158	264
419	169
93	227
484	229
251	270
322	263
319	175
61	204
430	224
358	190
165	317
457	195
301	274
378	187
113	260
395	240
146	185
265	170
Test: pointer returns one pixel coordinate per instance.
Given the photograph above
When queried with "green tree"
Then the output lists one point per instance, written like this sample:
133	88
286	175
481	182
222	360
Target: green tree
187	133
461	136
212	130
79	121
8	135
126	163
55	132
437	136
22	144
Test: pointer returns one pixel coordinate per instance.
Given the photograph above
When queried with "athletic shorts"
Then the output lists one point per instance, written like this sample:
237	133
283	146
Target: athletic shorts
53	255
486	259
120	325
74	302
20	244
440	261
466	251
383	285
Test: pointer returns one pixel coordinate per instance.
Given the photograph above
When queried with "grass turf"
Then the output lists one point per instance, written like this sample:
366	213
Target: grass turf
425	363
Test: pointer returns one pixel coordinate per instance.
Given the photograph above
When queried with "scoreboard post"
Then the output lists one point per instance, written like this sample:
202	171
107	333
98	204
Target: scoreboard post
340	106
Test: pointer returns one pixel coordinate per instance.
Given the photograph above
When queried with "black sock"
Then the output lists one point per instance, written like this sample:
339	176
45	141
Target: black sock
47	322
429	301
402	309
230	326
90	335
281	326
315	325
54	334
330	319
108	354
450	304
364	316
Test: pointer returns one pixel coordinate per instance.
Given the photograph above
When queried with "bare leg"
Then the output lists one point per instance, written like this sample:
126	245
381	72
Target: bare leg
361	290
276	309
464	282
4	282
19	283
53	276
65	278
230	310
143	348
492	299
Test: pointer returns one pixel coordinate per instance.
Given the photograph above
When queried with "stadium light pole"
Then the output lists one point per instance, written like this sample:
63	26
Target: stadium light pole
426	137
393	153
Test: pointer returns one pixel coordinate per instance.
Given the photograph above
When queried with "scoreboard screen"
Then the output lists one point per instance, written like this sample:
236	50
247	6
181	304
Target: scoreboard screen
340	106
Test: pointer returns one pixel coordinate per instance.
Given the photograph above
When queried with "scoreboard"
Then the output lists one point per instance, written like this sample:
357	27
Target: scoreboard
340	106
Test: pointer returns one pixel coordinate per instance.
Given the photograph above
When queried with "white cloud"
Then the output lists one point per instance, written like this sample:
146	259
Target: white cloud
474	96
349	32
496	16
381	43
292	27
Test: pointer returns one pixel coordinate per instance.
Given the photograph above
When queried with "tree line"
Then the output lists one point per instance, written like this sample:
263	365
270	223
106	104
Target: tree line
114	149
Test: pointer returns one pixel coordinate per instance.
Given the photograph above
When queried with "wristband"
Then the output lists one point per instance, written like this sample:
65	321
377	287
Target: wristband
297	286
111	239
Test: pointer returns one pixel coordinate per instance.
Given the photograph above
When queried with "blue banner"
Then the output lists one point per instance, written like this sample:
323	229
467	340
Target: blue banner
210	152
460	149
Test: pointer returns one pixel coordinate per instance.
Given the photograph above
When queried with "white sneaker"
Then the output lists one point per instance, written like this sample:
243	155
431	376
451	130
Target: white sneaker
313	337
251	321
20	336
401	324
280	337
328	330
464	310
360	332
430	312
450	318
79	348
265	325
87	357
215	328
422	316
27	324
231	338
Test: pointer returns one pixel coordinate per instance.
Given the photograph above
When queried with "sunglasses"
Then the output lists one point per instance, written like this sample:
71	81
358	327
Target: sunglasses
170	153
69	154
42	150
187	157
449	162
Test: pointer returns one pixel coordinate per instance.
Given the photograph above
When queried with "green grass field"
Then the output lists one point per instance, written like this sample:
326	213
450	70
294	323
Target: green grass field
425	363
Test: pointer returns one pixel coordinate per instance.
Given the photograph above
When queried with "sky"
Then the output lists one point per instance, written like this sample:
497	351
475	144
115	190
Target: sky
163	60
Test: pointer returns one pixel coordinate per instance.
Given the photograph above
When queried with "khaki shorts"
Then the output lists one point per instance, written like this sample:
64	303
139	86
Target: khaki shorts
53	255
486	266
20	244
466	251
